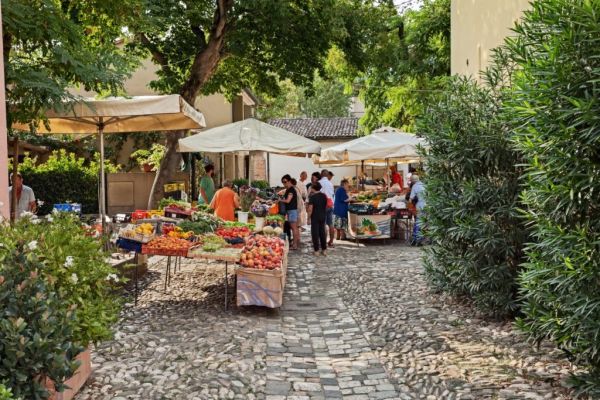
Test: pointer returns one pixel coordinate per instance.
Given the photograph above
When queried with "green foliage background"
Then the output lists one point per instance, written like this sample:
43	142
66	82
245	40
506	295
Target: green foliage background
64	177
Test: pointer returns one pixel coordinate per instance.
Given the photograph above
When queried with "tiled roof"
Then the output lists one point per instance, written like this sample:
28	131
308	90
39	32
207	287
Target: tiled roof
320	128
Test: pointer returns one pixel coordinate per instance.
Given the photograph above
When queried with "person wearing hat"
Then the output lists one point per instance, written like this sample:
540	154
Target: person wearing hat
329	191
417	197
25	196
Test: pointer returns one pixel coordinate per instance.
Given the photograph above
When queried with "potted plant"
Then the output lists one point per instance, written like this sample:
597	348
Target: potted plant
260	211
149	160
247	197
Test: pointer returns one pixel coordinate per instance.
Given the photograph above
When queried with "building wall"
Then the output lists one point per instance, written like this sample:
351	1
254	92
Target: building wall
477	27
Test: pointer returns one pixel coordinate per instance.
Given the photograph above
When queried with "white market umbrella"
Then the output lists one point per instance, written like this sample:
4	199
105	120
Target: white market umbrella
119	115
383	145
249	135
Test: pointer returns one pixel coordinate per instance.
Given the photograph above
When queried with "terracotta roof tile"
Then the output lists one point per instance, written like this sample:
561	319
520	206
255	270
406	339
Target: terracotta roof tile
320	128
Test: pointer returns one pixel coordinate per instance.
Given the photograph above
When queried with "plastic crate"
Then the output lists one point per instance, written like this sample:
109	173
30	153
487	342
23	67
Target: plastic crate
68	207
139	214
129	245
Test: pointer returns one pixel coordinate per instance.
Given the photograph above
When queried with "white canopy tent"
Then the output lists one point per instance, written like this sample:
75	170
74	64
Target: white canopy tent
249	135
89	116
383	145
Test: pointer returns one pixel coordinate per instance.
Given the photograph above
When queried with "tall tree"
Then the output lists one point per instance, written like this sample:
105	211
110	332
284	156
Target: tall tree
205	46
407	64
51	45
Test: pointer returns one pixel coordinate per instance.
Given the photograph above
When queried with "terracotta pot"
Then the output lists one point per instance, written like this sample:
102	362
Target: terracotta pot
76	382
147	168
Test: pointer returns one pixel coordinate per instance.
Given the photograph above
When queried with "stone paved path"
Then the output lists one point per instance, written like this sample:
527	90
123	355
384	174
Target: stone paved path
358	324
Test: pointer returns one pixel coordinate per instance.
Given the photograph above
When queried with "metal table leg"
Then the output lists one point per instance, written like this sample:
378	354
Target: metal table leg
135	293
167	272
226	284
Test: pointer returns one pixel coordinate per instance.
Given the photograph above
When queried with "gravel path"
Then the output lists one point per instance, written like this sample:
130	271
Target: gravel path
357	324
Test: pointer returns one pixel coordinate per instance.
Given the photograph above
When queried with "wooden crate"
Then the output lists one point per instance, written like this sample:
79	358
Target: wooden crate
260	287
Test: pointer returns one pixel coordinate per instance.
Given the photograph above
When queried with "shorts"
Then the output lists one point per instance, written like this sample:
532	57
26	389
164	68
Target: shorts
292	215
329	217
340	222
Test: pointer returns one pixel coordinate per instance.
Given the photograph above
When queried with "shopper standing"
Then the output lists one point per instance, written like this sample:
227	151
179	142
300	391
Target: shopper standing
328	190
25	197
317	211
417	197
302	197
207	185
290	198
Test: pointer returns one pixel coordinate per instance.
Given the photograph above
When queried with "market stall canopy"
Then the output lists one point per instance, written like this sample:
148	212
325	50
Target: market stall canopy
120	115
384	144
249	135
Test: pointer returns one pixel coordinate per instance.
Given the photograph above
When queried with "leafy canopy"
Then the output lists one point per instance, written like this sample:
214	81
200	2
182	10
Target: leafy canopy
51	45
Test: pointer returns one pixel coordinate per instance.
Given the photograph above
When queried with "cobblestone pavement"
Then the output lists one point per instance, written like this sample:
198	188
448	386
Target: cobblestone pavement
357	324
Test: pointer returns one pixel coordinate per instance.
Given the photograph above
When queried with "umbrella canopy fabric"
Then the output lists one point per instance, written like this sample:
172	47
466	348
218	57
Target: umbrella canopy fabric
120	115
249	135
381	145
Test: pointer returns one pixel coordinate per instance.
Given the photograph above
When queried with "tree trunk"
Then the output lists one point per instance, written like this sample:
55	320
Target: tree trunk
204	66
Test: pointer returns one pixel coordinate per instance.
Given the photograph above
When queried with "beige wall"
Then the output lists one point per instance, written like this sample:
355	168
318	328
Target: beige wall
477	27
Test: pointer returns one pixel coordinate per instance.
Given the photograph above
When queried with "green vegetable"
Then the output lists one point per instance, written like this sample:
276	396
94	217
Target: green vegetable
169	201
275	218
211	247
204	222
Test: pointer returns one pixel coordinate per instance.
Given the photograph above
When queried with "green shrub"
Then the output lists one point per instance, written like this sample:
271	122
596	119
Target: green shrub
472	195
556	110
35	324
262	185
239	182
64	177
76	261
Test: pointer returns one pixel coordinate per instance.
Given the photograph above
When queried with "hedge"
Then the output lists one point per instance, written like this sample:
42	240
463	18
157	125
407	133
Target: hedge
472	196
556	111
64	177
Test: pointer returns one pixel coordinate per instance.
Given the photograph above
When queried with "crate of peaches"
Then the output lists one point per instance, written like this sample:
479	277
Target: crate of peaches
167	246
262	252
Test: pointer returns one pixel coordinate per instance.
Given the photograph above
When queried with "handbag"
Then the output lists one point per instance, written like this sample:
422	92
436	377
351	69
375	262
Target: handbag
282	210
329	202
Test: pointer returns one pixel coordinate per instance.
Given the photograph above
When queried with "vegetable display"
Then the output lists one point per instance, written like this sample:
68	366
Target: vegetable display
233	232
167	244
261	252
206	222
171	202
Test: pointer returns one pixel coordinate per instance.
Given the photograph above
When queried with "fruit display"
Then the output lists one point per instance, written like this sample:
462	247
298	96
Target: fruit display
262	252
165	245
139	233
233	232
177	232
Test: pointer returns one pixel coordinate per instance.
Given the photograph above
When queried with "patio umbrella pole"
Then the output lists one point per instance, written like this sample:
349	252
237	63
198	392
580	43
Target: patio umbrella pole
102	203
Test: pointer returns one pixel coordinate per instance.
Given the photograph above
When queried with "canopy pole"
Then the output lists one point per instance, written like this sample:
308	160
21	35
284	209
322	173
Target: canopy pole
389	175
15	169
362	173
250	169
102	202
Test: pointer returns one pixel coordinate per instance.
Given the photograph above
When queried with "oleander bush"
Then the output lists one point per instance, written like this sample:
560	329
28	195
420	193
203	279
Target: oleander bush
556	109
76	262
64	177
35	325
473	193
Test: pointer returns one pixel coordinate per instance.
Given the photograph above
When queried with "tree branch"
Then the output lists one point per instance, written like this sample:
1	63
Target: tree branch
157	55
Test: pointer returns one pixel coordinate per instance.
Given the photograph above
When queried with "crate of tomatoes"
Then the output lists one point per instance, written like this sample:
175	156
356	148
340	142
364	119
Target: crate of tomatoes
262	272
167	246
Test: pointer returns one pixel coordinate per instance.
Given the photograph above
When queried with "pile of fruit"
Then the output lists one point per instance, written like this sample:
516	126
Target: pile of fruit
263	252
145	229
233	232
167	245
270	231
211	242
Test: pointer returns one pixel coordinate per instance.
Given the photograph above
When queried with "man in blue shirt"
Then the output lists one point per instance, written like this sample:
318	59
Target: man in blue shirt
340	210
